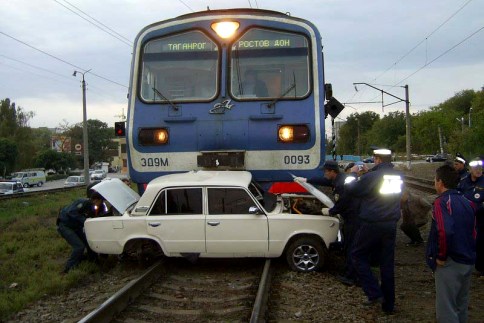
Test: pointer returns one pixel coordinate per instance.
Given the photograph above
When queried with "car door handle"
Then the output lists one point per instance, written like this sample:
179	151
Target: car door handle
154	224
213	223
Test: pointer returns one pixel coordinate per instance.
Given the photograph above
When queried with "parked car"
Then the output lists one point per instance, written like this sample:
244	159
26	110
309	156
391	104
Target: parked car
437	158
50	172
74	181
98	174
369	160
213	214
10	187
30	178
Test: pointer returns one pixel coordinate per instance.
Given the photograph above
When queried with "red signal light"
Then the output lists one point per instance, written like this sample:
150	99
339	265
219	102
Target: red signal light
120	129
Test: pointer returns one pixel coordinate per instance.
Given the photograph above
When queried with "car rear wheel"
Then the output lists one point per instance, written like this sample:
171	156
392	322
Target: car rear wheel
306	254
26	185
39	184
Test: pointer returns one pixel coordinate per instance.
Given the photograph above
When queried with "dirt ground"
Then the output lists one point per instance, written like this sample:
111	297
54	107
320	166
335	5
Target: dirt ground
314	297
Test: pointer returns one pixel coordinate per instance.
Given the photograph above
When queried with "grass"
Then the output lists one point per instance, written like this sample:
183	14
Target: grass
32	254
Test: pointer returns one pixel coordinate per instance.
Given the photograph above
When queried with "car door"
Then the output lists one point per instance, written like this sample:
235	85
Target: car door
176	218
229	226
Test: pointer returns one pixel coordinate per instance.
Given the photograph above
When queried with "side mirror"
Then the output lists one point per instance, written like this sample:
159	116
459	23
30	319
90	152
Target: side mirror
254	210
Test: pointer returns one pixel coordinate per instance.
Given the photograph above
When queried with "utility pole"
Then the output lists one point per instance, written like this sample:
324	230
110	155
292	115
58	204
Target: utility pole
407	116
84	128
470	117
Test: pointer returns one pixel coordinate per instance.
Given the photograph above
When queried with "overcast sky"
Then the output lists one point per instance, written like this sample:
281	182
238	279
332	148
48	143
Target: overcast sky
381	42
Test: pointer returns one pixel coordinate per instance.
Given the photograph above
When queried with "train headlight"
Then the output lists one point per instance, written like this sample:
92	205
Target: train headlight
225	29
293	133
153	136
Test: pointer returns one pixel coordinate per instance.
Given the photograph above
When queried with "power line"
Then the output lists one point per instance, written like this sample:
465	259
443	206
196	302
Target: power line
444	53
104	30
250	4
128	40
186	5
61	60
423	40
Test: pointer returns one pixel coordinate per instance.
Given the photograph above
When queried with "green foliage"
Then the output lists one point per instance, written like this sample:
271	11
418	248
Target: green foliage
14	126
60	161
32	254
8	156
352	138
364	129
99	136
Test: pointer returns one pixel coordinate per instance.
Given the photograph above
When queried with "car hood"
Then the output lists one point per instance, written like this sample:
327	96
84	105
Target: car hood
120	195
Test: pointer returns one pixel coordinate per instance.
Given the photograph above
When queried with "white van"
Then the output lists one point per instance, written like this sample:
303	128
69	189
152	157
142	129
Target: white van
30	178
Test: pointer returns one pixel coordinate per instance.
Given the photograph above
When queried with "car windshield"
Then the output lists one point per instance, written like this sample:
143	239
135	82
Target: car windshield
5	186
268	200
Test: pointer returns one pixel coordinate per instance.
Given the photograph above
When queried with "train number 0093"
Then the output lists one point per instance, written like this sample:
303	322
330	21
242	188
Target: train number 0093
296	159
150	162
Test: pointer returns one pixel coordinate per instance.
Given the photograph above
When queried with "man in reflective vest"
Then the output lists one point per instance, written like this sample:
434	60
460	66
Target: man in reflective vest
380	192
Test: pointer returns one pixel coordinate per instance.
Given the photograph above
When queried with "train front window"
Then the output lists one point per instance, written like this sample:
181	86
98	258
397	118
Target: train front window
270	64
179	68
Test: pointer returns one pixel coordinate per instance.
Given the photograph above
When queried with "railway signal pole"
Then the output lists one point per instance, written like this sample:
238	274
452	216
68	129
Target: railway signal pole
407	116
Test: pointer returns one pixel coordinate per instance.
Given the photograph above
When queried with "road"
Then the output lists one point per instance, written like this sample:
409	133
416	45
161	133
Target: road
59	183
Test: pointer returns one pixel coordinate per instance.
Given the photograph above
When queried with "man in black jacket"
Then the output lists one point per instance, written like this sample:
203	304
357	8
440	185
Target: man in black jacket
70	225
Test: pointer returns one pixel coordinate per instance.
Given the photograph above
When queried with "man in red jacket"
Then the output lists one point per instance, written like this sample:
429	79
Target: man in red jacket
451	248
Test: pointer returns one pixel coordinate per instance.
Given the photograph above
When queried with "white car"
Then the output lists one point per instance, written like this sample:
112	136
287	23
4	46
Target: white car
10	187
98	174
213	214
74	181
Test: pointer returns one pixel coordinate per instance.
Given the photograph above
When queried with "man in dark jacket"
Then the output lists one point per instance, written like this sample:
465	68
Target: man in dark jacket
472	187
347	207
380	191
451	247
70	225
460	165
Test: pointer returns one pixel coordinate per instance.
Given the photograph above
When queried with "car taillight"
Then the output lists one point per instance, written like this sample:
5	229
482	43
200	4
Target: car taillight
153	136
293	133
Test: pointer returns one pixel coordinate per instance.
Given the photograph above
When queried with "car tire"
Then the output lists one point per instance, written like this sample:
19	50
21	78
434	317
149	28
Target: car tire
39	184
306	254
25	185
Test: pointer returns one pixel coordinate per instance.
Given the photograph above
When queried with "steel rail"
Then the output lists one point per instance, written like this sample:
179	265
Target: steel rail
34	193
122	298
260	304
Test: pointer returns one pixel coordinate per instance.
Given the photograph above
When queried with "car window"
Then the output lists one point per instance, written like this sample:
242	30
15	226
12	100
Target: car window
178	201
229	201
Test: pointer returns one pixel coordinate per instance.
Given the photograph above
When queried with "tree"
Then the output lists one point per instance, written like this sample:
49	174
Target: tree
100	139
8	156
60	161
352	135
387	131
14	125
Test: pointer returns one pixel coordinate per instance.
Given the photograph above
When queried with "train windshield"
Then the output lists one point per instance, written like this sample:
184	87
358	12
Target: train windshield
181	67
270	64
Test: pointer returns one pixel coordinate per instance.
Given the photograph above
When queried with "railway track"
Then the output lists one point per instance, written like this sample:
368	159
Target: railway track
421	184
36	193
177	291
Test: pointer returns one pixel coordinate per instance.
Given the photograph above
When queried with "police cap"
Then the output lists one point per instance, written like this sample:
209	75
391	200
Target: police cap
459	158
330	165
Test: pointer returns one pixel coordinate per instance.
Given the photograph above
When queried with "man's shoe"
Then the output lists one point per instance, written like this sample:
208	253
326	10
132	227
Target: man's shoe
345	280
374	301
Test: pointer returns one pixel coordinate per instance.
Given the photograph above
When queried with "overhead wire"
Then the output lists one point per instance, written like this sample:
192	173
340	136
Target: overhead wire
423	40
418	44
99	22
95	25
62	60
183	2
444	53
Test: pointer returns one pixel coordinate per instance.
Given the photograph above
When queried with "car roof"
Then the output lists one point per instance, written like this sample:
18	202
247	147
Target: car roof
206	178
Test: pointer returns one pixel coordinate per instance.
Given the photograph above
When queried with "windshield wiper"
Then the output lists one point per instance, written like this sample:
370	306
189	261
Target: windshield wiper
173	105
289	89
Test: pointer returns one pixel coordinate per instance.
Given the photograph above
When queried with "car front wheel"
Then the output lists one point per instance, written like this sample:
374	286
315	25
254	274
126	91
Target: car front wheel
26	185
306	254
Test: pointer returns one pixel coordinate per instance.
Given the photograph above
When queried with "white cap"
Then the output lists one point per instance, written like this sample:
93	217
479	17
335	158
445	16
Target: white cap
475	163
382	152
